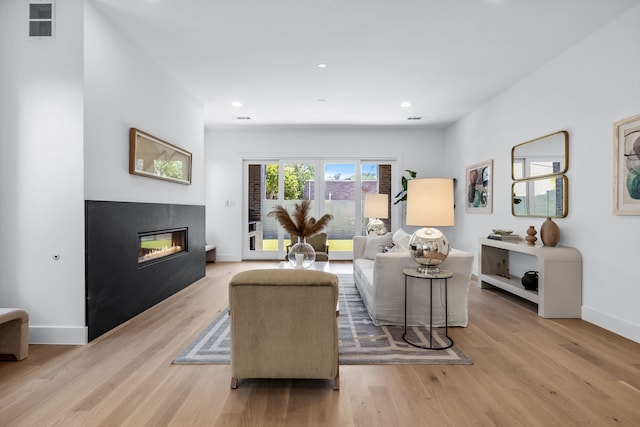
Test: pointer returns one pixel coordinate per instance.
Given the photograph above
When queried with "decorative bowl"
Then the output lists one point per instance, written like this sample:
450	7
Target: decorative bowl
502	232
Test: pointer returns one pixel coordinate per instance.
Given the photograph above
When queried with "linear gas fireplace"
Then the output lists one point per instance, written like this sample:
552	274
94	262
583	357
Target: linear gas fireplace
138	254
156	245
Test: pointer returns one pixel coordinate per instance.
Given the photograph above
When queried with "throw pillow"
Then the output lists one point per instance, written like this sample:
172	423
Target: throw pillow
401	239
376	244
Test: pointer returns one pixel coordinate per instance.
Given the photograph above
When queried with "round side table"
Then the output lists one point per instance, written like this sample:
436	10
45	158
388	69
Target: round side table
442	275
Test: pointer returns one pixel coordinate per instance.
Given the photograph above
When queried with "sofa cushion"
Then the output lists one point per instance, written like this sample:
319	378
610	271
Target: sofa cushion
365	268
376	244
401	239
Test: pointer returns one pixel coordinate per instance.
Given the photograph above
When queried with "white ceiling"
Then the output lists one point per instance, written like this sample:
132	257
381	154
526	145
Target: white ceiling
445	57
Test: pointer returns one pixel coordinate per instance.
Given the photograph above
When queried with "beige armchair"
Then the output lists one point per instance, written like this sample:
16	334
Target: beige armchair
284	325
318	242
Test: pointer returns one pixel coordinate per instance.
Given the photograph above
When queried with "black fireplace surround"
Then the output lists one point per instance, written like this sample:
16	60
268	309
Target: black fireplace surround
118	287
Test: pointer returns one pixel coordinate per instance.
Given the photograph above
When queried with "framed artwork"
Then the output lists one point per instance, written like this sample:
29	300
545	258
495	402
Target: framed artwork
626	166
479	188
154	158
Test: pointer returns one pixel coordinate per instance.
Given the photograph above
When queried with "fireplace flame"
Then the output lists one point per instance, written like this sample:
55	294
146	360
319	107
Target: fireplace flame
160	252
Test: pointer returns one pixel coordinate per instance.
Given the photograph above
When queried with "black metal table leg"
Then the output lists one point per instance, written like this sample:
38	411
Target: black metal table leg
443	275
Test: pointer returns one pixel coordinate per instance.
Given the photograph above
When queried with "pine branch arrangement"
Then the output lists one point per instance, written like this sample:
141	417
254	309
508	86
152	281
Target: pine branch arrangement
300	225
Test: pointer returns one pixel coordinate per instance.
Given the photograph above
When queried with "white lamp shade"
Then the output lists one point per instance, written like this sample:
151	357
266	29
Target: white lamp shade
376	206
430	202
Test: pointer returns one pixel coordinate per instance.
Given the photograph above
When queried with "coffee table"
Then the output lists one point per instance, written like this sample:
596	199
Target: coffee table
318	265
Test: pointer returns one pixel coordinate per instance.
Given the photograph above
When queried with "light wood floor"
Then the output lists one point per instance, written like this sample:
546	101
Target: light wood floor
527	371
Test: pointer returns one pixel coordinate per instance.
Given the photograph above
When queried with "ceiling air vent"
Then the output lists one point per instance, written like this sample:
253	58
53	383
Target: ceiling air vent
243	118
41	19
414	118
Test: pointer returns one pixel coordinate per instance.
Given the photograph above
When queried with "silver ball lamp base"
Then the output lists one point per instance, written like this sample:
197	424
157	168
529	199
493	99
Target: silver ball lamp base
429	247
377	226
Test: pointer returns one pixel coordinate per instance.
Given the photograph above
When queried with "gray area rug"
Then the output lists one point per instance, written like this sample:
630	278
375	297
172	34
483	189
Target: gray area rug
361	342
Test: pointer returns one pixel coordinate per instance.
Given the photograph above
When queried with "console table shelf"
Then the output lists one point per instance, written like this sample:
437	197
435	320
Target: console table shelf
559	292
511	284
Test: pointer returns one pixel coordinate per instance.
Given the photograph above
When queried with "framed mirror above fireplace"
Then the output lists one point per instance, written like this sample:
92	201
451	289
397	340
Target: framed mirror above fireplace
154	158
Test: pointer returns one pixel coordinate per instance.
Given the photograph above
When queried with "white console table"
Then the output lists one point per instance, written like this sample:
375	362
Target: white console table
559	269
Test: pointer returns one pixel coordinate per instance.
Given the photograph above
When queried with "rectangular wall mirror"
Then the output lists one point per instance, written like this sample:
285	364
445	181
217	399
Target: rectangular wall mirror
154	158
541	197
544	156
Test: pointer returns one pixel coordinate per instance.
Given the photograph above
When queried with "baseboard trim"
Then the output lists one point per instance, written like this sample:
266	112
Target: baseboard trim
611	323
228	257
58	335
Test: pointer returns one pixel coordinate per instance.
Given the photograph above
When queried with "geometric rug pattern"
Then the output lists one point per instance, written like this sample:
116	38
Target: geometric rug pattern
360	341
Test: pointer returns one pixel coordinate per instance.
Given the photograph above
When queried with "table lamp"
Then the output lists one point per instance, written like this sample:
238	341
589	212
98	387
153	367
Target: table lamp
429	204
376	206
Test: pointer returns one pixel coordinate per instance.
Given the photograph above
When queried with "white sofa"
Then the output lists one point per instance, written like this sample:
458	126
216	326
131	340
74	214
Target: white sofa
379	279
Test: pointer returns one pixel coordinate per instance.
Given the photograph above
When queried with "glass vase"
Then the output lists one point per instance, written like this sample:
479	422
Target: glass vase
302	255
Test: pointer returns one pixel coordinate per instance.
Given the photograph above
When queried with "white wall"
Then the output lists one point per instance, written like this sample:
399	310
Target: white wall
66	107
125	89
414	149
584	91
41	181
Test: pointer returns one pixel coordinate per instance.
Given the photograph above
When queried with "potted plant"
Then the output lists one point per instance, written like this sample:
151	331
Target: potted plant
302	254
402	195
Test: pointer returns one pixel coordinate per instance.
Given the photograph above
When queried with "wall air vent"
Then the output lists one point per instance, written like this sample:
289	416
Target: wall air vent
41	19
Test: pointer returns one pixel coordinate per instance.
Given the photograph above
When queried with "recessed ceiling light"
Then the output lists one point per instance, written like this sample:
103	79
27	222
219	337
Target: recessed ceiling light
236	104
323	65
405	104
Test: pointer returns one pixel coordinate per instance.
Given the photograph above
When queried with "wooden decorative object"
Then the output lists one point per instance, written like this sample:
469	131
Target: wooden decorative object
531	235
549	233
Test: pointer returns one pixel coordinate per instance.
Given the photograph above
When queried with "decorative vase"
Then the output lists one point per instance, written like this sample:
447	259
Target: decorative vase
531	235
530	280
549	233
302	255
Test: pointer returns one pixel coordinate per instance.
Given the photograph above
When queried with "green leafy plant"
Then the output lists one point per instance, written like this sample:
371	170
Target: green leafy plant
402	195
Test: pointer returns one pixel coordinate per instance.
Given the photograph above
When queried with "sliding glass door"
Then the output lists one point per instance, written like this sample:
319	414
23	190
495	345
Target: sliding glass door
262	194
340	195
299	184
337	187
272	183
